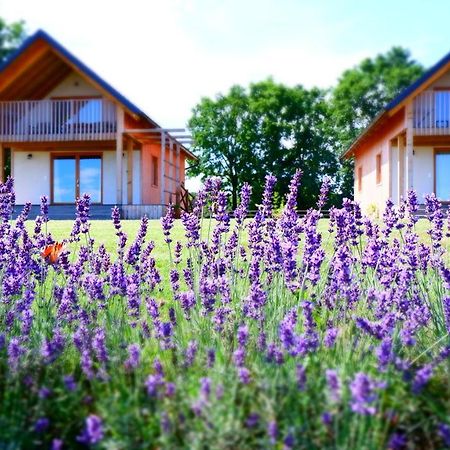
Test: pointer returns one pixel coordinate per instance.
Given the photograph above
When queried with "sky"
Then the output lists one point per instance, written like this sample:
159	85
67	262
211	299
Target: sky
166	55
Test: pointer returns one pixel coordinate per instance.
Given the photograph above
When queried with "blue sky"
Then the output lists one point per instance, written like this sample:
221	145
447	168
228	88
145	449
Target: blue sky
166	55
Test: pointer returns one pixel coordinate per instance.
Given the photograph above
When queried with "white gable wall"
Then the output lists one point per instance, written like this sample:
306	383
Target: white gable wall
444	81
74	86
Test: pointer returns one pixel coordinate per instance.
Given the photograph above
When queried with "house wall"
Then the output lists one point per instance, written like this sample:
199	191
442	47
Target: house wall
152	194
423	171
443	81
31	176
109	177
74	86
394	173
372	197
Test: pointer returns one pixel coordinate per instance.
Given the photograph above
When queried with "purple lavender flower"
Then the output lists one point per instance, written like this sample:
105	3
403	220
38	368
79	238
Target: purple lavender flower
93	431
272	432
153	383
446	309
210	358
327	418
324	192
384	353
44	208
444	433
421	378
363	394
167	223
190	353
301	377
15	351
70	383
134	357
252	420
166	425
57	444
397	441
330	337
241	211
244	375
242	335
170	389
239	357
205	387
99	345
41	424
44	392
334	385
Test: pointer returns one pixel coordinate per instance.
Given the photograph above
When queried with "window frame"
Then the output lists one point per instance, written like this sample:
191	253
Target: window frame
378	169
359	176
155	171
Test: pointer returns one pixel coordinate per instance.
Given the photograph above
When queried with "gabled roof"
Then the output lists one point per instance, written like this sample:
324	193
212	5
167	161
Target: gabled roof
79	65
398	101
53	57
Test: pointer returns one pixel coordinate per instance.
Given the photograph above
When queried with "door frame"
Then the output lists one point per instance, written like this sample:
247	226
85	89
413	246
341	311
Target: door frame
76	155
438	151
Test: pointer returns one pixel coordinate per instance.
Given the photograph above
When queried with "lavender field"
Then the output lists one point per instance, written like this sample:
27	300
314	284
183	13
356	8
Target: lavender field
261	333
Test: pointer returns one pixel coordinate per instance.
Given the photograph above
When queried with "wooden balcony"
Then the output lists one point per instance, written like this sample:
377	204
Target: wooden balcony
57	120
432	113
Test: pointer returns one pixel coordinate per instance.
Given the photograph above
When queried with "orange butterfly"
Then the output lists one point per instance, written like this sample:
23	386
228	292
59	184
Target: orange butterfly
52	252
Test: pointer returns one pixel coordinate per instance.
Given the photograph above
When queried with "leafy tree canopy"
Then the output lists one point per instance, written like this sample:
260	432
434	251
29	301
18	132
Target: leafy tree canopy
11	36
267	128
363	91
272	128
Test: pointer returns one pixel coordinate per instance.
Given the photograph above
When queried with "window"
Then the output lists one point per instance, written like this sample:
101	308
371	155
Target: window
378	168
359	179
155	171
442	168
442	108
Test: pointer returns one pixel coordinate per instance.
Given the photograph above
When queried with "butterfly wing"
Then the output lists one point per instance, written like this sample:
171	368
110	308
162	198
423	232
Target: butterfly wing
51	253
47	251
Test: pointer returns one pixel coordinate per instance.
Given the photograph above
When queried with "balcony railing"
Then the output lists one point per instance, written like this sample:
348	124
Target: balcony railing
432	113
57	120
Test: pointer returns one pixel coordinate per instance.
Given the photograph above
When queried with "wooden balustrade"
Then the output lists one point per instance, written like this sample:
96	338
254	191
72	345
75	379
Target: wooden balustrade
432	113
57	120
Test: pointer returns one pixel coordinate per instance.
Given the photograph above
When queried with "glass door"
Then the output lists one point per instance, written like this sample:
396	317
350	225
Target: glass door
90	170
64	179
76	174
442	170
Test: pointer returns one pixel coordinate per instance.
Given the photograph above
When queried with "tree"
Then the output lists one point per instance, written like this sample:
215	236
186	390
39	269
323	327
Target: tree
362	92
11	36
267	128
224	137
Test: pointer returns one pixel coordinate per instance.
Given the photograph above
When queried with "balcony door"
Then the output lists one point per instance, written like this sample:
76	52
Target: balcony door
442	171
74	175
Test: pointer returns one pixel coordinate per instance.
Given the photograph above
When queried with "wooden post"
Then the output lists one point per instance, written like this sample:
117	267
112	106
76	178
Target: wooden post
163	168
409	150
130	172
177	175
400	168
172	169
2	165
119	154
